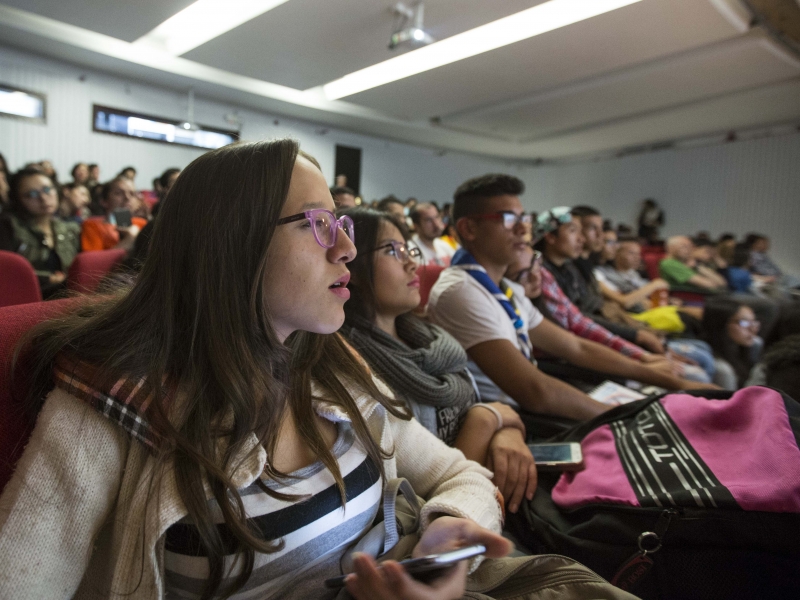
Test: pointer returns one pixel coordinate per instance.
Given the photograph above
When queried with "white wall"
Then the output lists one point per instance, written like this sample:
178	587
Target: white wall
737	187
67	137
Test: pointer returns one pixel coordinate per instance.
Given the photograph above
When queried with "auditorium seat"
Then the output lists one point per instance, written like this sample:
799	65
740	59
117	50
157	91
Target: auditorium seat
651	261
14	426
18	281
428	274
89	268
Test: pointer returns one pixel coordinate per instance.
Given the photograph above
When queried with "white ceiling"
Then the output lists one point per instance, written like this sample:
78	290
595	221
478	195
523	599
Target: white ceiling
649	73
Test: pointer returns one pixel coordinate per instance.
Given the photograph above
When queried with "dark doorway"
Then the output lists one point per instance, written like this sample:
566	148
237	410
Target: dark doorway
348	163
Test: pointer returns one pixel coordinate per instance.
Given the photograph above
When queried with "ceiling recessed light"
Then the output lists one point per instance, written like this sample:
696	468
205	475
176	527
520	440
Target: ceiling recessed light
203	21
514	28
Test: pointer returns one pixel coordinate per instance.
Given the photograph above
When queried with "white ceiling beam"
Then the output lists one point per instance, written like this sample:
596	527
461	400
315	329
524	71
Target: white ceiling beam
502	32
203	21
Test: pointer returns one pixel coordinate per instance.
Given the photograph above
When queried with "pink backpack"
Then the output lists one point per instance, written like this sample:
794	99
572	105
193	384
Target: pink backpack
682	496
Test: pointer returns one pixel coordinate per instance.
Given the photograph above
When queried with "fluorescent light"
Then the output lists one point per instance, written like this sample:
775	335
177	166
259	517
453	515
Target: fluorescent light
514	28
203	21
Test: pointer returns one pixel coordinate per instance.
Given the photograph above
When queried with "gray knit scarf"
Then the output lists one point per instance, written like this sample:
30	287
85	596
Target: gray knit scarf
429	367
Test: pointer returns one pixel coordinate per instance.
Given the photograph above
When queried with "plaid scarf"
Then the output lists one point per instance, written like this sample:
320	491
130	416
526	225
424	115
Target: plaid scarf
503	294
126	402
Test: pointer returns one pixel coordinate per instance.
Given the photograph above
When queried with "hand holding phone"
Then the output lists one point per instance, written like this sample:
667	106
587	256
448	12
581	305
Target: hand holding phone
426	568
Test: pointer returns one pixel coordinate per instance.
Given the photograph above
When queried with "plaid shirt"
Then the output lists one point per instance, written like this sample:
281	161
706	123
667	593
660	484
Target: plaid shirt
567	315
125	403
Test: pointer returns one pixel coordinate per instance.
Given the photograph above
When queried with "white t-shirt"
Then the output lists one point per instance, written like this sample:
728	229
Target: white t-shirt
469	312
440	255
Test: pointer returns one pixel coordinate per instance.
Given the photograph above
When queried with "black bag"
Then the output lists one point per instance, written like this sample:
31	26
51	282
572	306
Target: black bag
678	550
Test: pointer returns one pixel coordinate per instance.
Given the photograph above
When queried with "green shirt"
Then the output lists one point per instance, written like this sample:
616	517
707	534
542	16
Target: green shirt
675	272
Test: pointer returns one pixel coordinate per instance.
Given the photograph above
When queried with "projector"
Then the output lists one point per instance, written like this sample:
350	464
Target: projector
408	29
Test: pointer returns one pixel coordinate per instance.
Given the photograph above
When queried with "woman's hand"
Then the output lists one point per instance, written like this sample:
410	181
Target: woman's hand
389	581
511	417
513	465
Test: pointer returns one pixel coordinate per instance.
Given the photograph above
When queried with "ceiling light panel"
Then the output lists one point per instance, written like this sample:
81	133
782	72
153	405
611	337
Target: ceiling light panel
508	30
203	21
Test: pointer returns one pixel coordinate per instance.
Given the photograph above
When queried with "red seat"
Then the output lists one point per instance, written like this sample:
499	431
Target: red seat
89	268
428	274
15	426
18	281
651	261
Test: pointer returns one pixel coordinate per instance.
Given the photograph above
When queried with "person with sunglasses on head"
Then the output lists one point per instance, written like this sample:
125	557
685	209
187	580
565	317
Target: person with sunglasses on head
209	433
731	329
584	343
32	229
560	239
424	365
490	315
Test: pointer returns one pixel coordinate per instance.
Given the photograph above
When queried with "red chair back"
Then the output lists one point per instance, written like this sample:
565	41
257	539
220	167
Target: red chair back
651	264
89	268
428	274
15	427
18	281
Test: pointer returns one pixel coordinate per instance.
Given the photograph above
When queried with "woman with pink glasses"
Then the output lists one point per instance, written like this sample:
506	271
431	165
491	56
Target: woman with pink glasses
206	433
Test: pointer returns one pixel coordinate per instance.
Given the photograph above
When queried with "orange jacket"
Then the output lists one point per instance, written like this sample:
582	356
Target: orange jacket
99	234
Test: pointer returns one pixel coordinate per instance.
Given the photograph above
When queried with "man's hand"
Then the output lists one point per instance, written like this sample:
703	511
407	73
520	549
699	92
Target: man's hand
513	465
389	581
649	341
663	364
511	417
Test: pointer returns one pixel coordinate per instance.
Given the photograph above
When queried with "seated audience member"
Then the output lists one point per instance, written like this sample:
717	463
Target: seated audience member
74	203
424	365
428	227
561	242
94	176
704	253
679	268
264	430
762	265
738	271
32	229
80	173
393	206
731	329
526	270
782	366
49	170
102	233
128	173
343	197
619	276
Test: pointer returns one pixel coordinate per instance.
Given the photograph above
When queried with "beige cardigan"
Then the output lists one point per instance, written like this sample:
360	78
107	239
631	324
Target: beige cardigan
75	521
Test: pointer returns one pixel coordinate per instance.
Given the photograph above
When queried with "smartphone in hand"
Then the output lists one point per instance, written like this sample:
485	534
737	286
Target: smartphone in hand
426	568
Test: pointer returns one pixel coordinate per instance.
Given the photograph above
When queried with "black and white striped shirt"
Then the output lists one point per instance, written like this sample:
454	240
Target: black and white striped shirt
315	530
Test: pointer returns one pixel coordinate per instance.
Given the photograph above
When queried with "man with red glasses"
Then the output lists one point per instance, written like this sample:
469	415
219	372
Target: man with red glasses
499	327
489	315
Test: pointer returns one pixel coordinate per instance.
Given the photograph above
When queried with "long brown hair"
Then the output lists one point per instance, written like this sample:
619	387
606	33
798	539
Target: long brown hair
196	319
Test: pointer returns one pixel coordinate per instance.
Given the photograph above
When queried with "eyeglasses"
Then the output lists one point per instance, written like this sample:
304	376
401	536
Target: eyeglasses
510	219
324	224
401	252
748	324
36	194
536	264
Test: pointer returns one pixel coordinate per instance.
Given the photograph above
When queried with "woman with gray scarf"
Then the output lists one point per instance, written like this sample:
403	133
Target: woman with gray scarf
424	365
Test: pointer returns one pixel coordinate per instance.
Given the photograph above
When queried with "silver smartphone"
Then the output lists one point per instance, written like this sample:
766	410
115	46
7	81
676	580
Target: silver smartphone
565	456
426	568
